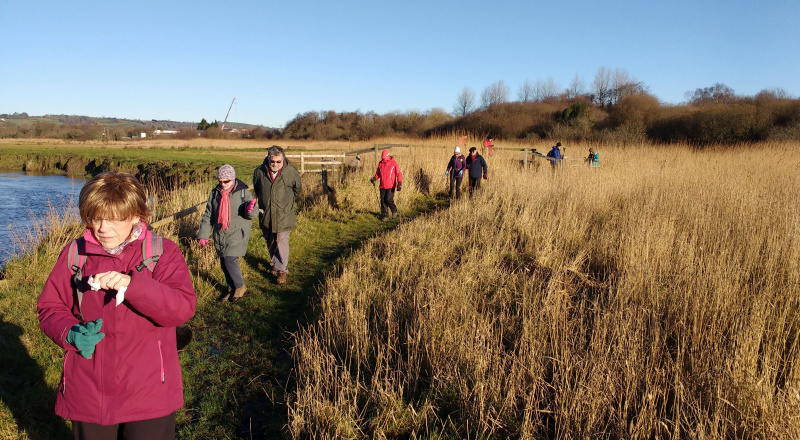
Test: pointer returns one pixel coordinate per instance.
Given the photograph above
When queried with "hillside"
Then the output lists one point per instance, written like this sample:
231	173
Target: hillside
24	118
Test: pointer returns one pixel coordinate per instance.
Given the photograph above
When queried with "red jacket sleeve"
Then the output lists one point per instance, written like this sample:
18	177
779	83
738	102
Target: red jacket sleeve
399	173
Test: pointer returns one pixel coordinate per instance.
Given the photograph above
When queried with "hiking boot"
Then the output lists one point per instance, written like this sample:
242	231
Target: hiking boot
282	278
395	214
226	296
239	293
385	219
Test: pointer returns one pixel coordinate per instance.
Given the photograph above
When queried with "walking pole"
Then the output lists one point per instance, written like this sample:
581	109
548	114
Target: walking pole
377	196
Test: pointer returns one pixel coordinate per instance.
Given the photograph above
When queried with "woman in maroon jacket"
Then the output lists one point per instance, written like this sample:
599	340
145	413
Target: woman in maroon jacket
121	373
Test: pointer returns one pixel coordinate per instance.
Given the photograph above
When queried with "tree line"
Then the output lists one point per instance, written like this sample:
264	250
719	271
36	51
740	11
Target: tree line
615	108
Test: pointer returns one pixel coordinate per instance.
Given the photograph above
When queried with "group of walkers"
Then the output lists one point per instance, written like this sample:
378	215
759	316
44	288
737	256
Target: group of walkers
555	157
231	208
117	295
475	167
119	326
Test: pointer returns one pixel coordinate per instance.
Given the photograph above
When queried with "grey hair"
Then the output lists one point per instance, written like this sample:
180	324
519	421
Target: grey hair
276	150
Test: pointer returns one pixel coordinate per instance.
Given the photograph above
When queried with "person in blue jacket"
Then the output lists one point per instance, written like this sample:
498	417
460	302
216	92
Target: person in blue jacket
476	165
555	154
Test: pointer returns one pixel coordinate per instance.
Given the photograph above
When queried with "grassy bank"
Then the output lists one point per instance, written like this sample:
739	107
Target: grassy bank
237	371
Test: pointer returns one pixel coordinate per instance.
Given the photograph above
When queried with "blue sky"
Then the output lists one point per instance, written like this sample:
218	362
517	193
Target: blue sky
184	61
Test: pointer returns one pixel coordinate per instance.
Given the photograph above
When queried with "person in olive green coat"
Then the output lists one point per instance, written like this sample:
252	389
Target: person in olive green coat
229	214
277	185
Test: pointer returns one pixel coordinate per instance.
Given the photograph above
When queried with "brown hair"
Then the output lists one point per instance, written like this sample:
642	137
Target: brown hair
113	196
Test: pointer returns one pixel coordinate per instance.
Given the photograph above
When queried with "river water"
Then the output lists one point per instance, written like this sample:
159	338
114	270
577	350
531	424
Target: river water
25	200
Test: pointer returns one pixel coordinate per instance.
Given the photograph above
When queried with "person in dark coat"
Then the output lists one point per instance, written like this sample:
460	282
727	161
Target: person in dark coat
476	165
455	169
229	214
277	185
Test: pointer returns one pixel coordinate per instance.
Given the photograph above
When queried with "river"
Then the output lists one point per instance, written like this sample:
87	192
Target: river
25	199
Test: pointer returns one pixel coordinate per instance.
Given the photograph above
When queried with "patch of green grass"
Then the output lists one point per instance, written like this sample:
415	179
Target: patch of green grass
237	371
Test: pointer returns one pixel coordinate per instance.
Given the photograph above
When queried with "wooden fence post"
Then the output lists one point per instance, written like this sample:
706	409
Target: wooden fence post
525	158
302	162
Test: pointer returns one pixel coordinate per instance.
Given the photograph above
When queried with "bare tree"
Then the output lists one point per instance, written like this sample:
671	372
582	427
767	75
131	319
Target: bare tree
717	94
525	93
494	94
545	89
773	93
465	102
602	86
551	88
577	87
622	85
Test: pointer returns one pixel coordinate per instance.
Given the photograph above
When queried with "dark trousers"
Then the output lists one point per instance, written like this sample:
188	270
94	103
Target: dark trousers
232	271
162	428
387	202
455	182
474	185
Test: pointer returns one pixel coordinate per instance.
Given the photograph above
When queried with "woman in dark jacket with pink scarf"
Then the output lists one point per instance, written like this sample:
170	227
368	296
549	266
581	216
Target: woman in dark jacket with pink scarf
121	371
229	214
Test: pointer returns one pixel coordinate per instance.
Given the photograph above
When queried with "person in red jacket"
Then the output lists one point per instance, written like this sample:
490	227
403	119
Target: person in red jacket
121	373
391	178
488	145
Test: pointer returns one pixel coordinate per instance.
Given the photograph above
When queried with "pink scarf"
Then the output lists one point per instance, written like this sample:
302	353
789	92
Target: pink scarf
224	215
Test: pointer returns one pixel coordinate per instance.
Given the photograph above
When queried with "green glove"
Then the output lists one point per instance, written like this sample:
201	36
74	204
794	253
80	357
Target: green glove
85	336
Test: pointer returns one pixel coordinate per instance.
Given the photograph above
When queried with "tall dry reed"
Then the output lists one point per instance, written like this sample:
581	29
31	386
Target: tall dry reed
655	297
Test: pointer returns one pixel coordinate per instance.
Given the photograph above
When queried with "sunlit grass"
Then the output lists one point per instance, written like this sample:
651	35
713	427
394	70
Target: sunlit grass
656	297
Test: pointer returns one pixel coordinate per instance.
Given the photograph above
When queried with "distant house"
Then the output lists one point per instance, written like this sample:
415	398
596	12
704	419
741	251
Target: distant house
158	132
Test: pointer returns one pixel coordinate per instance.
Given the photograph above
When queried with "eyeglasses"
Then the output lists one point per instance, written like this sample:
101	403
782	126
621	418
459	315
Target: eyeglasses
224	182
276	161
97	221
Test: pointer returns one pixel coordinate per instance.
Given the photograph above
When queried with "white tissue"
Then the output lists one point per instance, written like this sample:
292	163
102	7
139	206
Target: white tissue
120	292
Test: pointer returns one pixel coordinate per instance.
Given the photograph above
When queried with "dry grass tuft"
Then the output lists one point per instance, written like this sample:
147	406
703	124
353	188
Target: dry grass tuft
654	297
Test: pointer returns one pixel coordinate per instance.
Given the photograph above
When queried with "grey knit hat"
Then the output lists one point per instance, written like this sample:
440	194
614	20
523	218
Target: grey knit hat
226	172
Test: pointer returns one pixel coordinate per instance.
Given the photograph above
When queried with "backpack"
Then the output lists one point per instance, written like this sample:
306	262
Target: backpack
152	248
459	165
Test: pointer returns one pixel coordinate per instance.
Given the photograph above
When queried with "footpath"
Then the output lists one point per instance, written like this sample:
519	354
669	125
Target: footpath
238	368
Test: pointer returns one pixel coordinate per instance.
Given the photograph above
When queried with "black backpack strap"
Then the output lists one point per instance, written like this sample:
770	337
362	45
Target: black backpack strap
75	261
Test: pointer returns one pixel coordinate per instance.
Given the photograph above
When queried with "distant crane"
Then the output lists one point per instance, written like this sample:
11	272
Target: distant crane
229	112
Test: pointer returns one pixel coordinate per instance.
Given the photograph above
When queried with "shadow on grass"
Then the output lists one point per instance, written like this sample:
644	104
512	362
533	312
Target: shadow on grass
244	347
24	391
